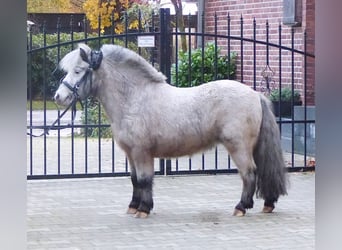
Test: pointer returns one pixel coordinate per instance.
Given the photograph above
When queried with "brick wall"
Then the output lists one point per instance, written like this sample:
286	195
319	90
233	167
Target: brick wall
270	11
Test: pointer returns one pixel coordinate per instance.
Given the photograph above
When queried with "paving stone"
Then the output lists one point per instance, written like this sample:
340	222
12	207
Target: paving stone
191	212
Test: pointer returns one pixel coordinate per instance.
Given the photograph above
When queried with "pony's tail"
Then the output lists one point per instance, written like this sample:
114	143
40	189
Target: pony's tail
271	171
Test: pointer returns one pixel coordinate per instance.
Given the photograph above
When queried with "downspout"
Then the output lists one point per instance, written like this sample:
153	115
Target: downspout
200	12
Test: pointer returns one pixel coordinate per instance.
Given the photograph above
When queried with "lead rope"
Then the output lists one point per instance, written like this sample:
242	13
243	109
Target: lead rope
52	126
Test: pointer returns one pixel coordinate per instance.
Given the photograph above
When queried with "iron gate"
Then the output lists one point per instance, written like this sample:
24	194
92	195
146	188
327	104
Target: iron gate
83	148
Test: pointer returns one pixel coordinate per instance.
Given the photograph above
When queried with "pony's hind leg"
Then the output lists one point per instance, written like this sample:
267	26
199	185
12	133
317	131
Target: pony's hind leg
248	190
247	170
268	206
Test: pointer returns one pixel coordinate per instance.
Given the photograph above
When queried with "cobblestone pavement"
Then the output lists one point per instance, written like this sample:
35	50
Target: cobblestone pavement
191	212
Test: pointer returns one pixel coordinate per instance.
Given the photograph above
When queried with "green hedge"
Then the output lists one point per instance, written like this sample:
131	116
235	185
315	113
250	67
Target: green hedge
92	118
181	78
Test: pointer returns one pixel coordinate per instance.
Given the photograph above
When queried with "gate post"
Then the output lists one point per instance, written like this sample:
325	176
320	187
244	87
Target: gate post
165	65
165	43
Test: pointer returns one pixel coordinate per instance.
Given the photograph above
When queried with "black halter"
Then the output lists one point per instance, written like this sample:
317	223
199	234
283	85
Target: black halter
83	80
94	64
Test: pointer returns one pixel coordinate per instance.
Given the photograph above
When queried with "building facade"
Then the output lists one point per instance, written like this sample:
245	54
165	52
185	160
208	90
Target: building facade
275	13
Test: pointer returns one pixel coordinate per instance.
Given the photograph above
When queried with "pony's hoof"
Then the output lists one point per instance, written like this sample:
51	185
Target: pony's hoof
238	213
267	209
141	215
131	210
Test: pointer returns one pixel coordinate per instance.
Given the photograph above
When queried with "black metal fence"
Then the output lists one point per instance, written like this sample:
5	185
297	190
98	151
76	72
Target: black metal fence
83	147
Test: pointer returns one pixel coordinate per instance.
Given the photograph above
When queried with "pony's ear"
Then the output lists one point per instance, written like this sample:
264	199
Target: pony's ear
84	55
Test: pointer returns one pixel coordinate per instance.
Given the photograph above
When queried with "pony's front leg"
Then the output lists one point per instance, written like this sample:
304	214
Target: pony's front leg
135	202
142	200
145	184
142	180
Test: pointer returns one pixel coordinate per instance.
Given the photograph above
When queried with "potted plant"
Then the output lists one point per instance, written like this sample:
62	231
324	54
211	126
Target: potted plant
282	101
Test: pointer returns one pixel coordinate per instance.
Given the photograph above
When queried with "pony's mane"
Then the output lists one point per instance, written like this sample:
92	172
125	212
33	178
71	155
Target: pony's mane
114	54
121	55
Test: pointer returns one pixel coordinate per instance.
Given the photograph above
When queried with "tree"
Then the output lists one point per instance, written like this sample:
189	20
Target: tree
179	15
105	9
145	9
51	6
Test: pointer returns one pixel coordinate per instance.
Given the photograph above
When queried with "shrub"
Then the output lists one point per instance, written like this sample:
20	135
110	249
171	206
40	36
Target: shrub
286	95
206	73
92	118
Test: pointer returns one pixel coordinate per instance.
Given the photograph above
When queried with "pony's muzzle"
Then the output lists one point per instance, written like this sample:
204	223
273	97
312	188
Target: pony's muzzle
61	99
57	98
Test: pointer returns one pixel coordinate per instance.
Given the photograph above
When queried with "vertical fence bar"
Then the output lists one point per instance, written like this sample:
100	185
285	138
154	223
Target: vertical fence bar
215	74
126	29
165	62
112	30
99	138
139	28
29	77
72	120
229	62
228	44
113	156
176	54
241	47
189	53
305	98
126	165
176	68
215	59
202	49
202	69
189	68
99	32
85	30
58	112
267	52
254	53
152	30
44	96
99	123
85	110
267	43
165	43
292	88
71	24
280	73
